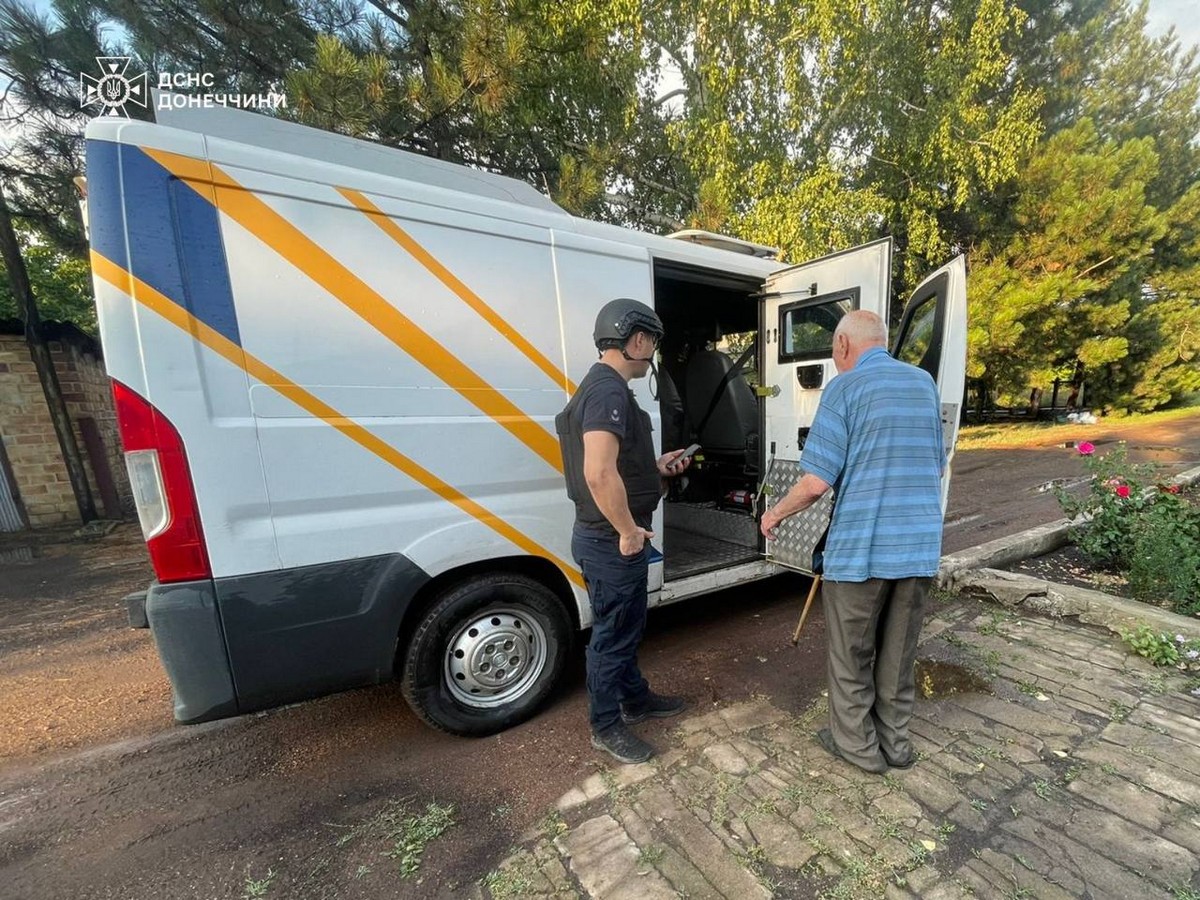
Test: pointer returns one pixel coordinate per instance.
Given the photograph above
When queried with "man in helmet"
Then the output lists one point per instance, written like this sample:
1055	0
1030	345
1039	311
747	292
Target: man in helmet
616	482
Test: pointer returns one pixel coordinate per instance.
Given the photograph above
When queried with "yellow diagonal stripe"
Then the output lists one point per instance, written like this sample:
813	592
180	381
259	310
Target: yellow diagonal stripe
214	340
301	251
456	285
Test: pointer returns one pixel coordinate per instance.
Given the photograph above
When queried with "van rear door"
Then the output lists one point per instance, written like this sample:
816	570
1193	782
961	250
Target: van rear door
933	336
801	307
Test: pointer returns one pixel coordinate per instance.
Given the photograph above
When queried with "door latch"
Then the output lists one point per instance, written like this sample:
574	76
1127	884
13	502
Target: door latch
764	391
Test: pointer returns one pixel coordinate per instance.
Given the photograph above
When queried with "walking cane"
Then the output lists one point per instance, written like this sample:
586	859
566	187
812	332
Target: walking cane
812	592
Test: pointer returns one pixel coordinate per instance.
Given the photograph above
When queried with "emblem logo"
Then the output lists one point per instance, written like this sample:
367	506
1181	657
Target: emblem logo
113	89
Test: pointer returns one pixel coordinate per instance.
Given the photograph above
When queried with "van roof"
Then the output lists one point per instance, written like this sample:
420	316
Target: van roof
274	134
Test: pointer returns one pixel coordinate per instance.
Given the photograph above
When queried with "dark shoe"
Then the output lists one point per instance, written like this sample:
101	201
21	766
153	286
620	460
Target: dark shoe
907	763
654	706
622	743
825	736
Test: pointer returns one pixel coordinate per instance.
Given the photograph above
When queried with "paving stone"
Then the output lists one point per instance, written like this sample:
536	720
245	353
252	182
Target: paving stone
922	879
1013	878
699	845
1144	808
1132	846
747	716
948	890
695	739
782	843
900	808
1181	754
1184	831
1016	716
928	735
594	787
570	800
749	751
964	815
725	758
687	880
605	860
1078	868
669	759
1182	726
713	722
929	789
1141	770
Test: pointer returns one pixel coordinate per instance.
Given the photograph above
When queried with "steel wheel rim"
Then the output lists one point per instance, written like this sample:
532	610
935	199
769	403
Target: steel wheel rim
495	657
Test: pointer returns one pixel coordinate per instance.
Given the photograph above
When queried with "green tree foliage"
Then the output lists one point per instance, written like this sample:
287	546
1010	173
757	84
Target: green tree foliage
61	284
1061	288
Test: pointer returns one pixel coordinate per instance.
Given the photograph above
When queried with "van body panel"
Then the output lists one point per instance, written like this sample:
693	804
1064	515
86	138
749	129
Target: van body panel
303	631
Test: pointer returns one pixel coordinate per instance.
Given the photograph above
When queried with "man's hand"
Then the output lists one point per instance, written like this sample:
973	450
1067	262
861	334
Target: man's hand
633	542
768	523
670	464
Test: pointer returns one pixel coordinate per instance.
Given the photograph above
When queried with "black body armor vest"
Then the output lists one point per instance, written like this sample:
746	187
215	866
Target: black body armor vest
636	462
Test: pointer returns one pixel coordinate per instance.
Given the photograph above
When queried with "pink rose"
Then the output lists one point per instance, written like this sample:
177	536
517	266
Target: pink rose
1087	448
1123	491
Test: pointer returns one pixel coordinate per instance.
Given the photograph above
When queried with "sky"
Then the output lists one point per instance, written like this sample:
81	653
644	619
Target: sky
1180	13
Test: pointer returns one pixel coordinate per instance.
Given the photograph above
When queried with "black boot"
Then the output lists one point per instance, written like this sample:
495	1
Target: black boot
654	706
622	743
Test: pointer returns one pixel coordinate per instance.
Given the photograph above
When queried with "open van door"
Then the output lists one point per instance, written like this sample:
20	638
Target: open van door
801	307
933	336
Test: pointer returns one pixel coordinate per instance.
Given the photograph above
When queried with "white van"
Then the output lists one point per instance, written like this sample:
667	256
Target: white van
337	366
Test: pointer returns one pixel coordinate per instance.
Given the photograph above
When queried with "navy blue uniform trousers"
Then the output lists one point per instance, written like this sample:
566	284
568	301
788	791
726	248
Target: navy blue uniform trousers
616	587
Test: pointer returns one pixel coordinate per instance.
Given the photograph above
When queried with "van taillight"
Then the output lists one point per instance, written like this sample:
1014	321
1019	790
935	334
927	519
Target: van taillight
162	489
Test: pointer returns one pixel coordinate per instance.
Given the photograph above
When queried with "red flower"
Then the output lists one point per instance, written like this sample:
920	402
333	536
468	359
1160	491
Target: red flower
1087	448
1123	491
1171	488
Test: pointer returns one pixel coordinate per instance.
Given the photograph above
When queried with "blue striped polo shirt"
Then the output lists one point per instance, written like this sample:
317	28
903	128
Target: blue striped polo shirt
877	438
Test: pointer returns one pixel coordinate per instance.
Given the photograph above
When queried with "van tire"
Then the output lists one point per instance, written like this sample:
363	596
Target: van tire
522	611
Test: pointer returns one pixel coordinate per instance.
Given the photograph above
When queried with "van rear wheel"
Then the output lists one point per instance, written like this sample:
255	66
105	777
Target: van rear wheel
486	654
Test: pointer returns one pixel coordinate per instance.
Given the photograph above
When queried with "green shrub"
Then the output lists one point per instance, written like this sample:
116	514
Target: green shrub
1165	564
1151	533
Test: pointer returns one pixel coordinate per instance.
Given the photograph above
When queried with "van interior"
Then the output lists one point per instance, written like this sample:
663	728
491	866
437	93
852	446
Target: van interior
706	372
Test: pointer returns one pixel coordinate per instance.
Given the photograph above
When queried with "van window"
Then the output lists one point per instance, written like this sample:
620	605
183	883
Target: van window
806	328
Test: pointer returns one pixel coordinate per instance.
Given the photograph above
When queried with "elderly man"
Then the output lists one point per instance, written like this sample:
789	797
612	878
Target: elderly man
877	438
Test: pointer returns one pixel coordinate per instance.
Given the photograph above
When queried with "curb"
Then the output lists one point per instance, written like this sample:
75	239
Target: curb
1058	600
975	571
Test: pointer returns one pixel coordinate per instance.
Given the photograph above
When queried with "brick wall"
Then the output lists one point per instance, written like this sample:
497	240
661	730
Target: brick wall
28	432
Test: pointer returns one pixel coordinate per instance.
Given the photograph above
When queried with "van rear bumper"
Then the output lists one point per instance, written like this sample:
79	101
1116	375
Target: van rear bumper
187	629
241	643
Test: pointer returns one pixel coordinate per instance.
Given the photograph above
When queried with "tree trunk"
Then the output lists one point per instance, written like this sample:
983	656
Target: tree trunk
40	353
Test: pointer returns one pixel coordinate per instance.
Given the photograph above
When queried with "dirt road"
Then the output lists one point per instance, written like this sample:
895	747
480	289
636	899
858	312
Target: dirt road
102	797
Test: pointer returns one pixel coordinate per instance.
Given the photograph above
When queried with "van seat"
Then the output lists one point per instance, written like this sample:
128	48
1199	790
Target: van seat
733	424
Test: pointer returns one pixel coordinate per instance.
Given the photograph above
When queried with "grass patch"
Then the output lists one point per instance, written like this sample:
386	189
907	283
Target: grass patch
416	833
511	881
255	888
1033	434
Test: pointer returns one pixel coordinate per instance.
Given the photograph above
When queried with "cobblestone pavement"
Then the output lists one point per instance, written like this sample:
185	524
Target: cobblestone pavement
1051	765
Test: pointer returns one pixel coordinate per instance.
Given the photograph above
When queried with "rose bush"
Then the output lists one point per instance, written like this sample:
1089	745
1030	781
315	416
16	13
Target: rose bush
1149	532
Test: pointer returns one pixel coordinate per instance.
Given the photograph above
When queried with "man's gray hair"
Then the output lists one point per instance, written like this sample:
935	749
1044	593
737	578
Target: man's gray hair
863	329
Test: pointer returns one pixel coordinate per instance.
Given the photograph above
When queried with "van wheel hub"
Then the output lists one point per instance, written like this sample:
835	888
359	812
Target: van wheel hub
494	657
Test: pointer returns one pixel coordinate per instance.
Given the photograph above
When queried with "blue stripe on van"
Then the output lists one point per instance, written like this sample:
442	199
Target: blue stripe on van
106	221
169	234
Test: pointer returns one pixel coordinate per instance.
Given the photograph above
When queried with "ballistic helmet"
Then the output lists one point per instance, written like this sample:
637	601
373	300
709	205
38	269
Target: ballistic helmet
620	318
